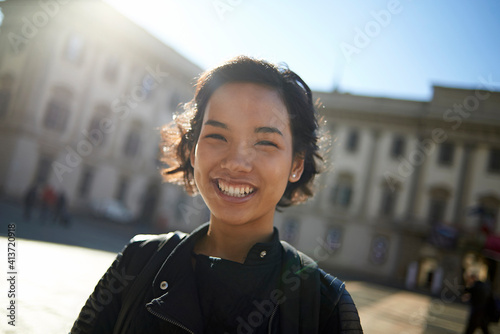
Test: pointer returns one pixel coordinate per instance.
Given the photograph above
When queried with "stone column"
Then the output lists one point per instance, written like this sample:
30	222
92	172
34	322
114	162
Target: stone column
365	192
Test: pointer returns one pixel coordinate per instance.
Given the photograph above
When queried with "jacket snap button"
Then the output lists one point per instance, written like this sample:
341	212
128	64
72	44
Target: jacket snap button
263	253
164	285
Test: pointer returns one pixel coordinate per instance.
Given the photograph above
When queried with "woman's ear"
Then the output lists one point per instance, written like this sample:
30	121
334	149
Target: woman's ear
297	169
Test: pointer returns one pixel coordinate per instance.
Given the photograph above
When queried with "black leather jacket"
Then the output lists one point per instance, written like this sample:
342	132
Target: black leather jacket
150	288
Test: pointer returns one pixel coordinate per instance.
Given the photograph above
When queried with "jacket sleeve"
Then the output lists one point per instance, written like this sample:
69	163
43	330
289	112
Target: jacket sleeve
101	310
346	315
338	312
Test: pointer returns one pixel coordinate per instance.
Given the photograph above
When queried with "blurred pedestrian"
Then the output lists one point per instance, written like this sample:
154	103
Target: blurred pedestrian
61	214
48	201
30	201
248	143
479	295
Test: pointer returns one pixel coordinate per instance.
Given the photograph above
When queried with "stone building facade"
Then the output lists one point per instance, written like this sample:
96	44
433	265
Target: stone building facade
83	94
413	188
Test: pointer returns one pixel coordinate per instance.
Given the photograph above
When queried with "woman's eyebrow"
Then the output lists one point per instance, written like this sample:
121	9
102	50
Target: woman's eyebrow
268	129
216	124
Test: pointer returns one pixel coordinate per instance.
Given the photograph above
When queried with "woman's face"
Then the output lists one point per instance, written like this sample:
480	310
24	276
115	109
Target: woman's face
243	159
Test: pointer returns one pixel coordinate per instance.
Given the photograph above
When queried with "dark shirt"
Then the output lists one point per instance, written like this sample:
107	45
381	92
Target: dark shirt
236	297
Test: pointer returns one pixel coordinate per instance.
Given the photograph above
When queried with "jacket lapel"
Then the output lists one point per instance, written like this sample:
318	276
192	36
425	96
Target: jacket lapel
175	287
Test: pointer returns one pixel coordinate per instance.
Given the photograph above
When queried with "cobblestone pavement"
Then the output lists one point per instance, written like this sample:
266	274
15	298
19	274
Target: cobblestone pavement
54	280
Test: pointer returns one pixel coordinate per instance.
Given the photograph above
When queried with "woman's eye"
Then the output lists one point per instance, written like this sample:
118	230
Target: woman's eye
267	143
216	136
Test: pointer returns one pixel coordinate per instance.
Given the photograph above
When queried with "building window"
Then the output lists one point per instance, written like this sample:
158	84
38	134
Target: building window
494	161
446	154
342	192
352	140
57	110
487	212
85	183
379	249
398	146
111	70
74	48
6	84
333	239
99	126
388	201
121	191
437	210
438	203
132	141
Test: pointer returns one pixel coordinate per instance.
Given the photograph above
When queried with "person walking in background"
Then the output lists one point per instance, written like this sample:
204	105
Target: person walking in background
249	144
30	201
61	214
48	202
478	294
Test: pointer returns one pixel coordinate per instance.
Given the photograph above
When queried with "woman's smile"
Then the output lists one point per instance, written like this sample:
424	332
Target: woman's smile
234	190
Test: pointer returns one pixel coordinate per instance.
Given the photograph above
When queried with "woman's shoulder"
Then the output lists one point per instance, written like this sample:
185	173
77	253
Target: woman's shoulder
143	246
337	309
154	240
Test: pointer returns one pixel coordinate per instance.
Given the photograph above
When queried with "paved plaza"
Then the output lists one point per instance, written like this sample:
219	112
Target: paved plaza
54	280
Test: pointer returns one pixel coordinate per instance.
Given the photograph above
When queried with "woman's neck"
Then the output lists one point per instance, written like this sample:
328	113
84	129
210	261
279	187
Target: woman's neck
232	242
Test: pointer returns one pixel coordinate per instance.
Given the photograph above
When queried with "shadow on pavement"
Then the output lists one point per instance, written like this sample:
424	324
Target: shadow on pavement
83	231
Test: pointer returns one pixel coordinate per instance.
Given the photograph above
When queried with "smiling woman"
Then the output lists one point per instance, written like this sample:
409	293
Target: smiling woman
248	144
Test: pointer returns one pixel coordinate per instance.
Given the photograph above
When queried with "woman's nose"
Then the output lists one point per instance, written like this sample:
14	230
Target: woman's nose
239	158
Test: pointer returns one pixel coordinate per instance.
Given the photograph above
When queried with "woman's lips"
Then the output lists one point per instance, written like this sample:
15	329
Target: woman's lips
234	191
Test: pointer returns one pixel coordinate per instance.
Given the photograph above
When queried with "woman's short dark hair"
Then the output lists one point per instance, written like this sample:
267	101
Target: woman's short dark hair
179	138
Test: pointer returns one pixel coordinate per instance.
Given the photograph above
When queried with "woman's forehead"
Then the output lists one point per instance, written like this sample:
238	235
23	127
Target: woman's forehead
247	101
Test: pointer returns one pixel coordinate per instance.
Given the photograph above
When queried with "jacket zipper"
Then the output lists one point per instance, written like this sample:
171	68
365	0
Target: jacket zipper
271	318
175	323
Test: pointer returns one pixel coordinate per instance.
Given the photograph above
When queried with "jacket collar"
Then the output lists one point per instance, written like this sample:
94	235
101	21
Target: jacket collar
179	301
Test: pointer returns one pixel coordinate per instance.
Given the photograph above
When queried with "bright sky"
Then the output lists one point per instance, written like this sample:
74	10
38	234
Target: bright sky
391	48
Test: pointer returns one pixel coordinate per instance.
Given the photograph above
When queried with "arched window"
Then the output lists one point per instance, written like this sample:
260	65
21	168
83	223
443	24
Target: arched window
438	202
388	199
58	109
494	161
352	140
100	125
133	140
398	146
489	206
342	191
6	83
446	154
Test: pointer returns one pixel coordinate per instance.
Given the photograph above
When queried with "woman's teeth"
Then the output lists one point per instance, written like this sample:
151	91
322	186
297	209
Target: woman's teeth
235	191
